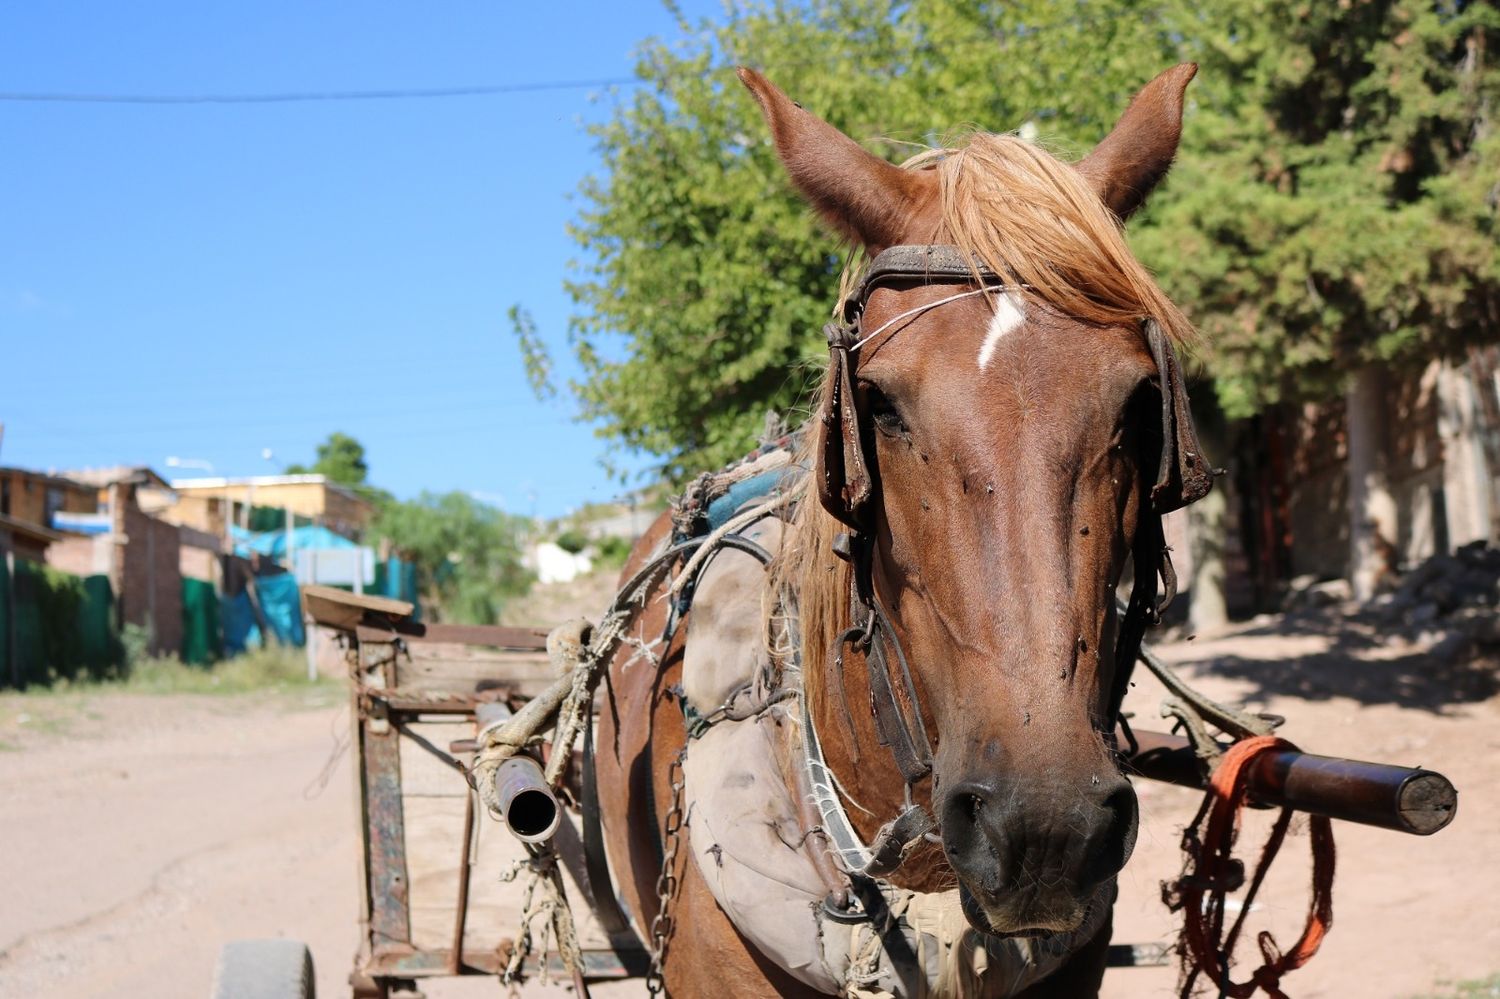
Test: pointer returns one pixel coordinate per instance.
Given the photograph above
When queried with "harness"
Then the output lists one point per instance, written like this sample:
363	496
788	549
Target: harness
847	483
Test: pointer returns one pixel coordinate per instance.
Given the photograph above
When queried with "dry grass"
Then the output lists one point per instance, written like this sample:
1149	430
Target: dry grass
1477	989
272	670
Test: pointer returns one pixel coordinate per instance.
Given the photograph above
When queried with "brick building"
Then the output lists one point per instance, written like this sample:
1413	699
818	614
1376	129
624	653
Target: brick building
35	497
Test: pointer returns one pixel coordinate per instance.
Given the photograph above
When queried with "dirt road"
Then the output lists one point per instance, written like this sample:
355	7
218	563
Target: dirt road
140	832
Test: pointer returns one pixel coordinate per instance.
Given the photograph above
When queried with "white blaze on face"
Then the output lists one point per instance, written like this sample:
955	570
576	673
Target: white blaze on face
1010	313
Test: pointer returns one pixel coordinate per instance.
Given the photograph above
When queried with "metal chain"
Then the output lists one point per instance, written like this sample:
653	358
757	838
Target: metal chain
666	882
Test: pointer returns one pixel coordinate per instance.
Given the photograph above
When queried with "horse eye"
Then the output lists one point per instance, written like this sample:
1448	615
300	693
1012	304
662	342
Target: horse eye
882	411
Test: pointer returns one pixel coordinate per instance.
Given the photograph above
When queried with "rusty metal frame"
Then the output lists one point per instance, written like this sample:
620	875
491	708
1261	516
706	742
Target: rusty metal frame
386	958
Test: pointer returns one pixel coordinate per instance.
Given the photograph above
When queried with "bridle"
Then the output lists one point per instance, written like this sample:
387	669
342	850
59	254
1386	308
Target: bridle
847	487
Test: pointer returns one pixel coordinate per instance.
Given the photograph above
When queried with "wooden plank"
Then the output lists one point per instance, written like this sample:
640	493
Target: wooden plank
461	669
383	810
458	653
340	609
520	639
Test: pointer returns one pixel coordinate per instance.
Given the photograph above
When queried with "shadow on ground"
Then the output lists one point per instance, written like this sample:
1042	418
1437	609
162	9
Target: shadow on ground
1357	664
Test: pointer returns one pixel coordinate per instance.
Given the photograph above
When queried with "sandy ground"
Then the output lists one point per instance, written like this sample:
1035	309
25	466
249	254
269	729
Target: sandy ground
141	832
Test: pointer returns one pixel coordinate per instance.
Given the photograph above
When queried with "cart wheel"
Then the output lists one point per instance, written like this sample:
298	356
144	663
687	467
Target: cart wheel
264	969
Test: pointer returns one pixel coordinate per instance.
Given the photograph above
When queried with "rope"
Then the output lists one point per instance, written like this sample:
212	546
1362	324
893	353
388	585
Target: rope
545	900
579	653
1211	872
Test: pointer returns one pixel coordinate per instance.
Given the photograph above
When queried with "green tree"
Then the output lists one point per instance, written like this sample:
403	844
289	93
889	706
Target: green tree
341	458
468	554
708	281
1335	202
1333	216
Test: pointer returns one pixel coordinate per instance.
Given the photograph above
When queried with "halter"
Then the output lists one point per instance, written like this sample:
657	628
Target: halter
847	490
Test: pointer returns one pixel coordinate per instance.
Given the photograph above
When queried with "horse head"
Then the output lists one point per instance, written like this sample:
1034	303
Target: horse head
998	444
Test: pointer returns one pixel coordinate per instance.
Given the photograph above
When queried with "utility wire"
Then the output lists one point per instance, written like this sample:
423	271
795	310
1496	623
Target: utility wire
481	90
535	86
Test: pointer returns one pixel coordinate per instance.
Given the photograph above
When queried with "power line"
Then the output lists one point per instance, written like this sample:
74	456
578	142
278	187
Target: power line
298	97
531	86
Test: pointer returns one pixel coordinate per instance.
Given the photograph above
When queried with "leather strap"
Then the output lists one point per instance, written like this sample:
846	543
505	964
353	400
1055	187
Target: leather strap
894	837
916	263
906	738
1184	475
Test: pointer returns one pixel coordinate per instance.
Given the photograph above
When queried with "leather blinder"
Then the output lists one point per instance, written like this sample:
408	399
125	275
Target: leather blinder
844	484
1183	475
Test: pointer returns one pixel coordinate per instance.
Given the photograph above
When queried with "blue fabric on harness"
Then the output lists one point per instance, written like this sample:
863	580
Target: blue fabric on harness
755	487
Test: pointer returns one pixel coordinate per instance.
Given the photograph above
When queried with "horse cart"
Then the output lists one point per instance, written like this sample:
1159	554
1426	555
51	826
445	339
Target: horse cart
431	900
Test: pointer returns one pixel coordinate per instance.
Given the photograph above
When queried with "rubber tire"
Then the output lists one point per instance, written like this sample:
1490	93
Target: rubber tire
264	969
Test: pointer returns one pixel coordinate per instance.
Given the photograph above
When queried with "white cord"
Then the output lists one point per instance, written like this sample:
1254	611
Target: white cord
923	308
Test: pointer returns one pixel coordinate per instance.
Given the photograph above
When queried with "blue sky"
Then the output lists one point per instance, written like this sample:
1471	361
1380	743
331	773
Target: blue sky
208	281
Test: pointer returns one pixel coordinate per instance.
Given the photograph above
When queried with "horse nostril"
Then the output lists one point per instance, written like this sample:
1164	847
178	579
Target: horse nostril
964	820
1117	841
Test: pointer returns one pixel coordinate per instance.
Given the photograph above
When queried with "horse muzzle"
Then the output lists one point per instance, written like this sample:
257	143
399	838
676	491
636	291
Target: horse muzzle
1032	856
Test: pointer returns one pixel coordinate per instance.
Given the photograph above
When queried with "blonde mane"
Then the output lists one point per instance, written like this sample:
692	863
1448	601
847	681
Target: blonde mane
1022	212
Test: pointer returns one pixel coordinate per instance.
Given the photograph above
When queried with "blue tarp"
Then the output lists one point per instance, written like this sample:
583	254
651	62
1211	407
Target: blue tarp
281	604
81	523
240	631
396	578
273	543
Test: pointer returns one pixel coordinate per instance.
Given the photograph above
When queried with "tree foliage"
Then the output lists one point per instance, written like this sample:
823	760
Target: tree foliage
1334	203
341	458
468	554
709	280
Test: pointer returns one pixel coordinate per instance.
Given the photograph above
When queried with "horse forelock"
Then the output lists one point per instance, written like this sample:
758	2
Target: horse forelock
1023	212
1026	213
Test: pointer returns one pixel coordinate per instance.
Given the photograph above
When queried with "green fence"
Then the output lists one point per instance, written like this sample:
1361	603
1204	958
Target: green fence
55	626
202	631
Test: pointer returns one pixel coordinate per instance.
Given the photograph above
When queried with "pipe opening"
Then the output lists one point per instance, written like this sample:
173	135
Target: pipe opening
532	815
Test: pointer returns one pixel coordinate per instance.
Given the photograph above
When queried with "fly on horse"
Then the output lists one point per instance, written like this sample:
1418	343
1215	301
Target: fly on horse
935	647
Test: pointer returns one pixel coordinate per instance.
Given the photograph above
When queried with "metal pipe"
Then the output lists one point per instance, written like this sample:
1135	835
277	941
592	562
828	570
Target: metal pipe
1404	799
526	801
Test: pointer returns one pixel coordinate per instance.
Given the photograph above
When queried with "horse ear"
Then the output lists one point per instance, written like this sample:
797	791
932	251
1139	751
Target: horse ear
859	194
1136	155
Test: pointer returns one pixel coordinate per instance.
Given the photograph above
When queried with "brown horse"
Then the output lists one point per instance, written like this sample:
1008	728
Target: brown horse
993	447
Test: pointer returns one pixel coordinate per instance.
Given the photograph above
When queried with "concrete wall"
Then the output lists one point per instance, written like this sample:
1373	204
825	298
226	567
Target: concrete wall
332	506
1318	491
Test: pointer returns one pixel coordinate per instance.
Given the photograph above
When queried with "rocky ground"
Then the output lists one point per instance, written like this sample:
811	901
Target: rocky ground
140	832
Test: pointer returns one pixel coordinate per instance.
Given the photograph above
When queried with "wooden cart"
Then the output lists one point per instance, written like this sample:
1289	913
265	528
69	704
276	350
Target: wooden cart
431	899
